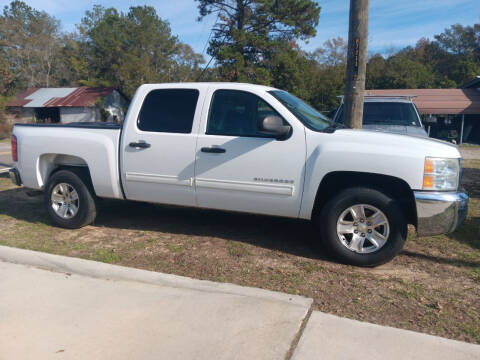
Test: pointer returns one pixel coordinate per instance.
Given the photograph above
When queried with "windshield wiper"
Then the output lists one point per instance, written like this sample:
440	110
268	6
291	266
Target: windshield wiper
334	126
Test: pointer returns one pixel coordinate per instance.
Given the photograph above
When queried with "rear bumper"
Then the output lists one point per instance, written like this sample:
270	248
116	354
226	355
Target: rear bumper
438	212
15	176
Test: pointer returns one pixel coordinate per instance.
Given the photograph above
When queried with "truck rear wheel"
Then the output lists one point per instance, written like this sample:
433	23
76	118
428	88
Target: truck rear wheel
69	202
362	227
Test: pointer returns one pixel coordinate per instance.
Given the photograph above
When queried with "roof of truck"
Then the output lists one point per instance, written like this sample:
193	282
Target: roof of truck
235	85
386	98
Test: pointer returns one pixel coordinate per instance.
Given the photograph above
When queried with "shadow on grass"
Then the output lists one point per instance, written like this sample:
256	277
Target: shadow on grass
441	259
471	183
468	233
282	234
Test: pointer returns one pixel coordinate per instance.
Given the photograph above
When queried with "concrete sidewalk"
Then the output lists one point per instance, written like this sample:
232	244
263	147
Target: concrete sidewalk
58	307
330	337
62	315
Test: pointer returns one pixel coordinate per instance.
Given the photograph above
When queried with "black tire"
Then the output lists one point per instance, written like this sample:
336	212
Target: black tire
86	212
327	219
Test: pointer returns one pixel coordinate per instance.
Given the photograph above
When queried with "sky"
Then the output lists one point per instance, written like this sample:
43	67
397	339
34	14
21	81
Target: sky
393	24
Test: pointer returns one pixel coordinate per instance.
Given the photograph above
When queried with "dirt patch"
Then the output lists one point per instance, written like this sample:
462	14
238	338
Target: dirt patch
470	152
433	286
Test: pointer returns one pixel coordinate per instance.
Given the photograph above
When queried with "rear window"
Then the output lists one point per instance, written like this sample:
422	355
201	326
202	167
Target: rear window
168	110
386	113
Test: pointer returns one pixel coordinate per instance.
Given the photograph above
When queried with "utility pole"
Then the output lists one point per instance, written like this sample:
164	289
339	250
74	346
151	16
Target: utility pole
356	64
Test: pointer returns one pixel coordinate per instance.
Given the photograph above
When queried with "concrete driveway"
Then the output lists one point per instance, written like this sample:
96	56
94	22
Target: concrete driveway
5	155
54	307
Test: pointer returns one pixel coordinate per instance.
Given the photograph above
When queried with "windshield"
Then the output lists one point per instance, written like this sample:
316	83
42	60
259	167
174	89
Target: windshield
386	113
305	113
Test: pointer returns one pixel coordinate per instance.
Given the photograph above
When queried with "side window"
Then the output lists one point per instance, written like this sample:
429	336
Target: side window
237	113
168	110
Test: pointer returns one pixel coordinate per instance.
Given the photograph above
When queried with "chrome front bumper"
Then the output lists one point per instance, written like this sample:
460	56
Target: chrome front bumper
439	212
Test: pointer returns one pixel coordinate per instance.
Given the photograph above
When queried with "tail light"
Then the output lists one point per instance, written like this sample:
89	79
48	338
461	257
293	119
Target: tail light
14	148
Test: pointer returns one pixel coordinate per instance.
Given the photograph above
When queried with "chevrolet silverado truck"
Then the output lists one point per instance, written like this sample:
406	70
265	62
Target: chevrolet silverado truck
248	148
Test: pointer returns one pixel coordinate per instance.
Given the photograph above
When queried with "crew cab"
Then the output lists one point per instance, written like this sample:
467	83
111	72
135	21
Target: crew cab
248	148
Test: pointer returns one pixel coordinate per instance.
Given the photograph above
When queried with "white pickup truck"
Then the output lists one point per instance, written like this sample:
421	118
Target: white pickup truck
249	148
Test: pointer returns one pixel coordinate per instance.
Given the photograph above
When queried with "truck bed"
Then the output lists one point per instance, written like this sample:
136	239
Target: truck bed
95	145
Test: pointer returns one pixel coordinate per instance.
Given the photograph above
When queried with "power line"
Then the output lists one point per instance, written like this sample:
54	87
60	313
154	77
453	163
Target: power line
204	69
211	32
206	44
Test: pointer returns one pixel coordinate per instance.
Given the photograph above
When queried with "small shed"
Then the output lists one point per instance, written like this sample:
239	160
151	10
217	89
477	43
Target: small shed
67	105
448	114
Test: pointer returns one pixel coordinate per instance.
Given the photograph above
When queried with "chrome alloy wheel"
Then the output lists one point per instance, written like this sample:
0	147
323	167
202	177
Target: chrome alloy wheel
64	200
363	228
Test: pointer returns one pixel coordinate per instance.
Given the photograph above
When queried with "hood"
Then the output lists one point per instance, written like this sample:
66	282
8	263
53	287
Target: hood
415	144
398	129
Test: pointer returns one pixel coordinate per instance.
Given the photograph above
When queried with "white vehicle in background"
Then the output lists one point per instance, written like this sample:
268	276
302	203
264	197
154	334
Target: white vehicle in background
248	148
395	114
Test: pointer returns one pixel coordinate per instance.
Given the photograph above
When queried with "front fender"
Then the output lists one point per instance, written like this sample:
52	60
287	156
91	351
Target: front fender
363	151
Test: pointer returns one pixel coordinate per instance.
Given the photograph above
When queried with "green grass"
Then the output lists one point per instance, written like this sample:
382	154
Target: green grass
475	274
106	256
414	290
175	248
473	330
469	146
310	267
236	249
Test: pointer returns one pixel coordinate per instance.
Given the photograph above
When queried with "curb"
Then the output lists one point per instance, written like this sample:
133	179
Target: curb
94	269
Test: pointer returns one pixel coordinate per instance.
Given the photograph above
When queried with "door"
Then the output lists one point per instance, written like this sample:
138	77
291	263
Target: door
159	148
238	168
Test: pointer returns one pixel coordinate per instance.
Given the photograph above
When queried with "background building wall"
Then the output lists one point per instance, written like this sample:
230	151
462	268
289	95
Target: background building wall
27	115
79	114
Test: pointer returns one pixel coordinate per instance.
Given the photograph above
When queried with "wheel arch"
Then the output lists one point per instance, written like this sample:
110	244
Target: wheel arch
395	187
49	164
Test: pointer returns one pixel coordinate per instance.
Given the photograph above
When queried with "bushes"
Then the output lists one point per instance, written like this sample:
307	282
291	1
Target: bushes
5	125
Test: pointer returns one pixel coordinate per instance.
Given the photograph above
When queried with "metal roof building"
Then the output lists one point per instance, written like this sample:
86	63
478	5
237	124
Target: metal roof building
65	105
439	101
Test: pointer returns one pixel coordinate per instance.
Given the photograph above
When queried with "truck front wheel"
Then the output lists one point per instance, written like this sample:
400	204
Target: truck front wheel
362	227
69	202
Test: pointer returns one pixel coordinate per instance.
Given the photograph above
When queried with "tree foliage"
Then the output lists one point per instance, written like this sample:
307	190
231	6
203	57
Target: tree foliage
29	44
253	39
449	61
109	48
126	50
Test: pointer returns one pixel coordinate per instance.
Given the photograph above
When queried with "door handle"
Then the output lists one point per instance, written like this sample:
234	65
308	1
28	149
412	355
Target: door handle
214	150
137	145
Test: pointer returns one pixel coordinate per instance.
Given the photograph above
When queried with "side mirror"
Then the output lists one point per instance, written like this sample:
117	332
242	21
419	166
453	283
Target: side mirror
273	125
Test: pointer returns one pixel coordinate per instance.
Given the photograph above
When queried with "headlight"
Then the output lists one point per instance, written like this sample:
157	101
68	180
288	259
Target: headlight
441	174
